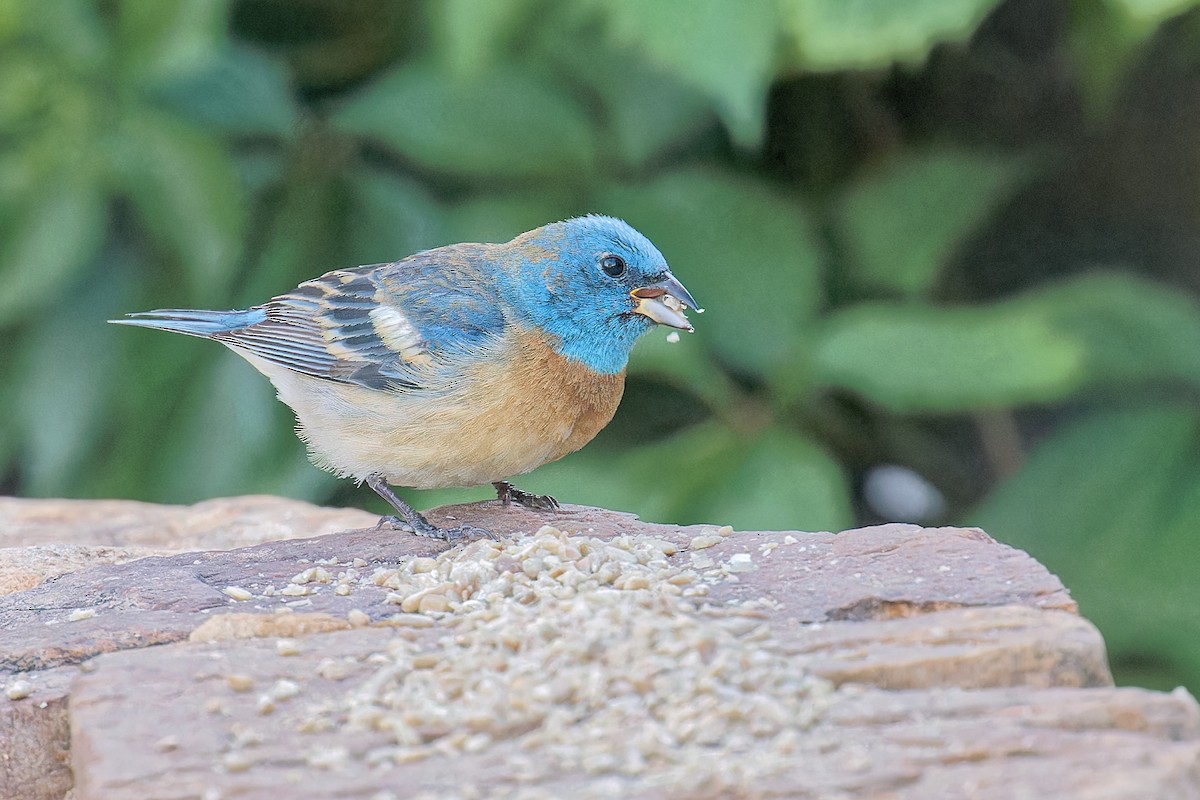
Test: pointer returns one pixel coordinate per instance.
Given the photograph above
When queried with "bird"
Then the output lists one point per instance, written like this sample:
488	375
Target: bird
457	366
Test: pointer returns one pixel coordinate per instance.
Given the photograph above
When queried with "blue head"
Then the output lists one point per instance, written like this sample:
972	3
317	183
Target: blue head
595	284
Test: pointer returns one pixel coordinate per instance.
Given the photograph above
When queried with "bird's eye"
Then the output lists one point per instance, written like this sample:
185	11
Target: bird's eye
613	266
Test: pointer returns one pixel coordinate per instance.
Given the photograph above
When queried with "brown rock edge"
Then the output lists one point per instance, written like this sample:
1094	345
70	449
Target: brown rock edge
964	669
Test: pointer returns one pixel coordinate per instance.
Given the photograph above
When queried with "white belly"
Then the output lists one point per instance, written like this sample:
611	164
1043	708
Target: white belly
484	426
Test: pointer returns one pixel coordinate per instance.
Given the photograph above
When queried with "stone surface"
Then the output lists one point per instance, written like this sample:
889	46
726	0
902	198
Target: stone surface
874	573
931	743
35	738
44	538
902	619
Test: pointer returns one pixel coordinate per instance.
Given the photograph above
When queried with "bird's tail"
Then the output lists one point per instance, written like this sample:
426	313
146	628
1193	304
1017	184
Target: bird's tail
193	322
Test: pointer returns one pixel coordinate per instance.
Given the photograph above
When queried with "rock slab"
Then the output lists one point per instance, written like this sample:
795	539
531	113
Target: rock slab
952	665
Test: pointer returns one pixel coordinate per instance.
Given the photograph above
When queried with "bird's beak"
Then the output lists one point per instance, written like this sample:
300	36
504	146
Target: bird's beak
664	302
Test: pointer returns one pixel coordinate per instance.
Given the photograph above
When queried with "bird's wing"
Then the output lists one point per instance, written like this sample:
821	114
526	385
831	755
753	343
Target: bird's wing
380	326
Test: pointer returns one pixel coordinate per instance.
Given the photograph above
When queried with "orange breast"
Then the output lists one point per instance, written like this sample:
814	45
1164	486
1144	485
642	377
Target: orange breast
550	400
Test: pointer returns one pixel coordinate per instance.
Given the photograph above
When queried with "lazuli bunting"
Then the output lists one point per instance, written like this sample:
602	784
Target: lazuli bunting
457	366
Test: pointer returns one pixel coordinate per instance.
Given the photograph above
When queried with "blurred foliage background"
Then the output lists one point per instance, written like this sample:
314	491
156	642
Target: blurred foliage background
948	250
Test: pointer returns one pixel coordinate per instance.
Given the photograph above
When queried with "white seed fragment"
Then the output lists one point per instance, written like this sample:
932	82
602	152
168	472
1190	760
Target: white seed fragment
294	590
357	617
287	647
673	337
704	540
789	539
18	689
741	563
725	530
284	689
342	589
81	614
336	669
423	564
236	761
238	593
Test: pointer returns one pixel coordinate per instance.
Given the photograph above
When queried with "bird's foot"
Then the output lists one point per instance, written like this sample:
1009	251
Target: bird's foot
409	518
507	493
460	533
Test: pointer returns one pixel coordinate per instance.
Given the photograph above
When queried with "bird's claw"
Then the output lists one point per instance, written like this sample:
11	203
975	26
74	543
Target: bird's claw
431	531
507	493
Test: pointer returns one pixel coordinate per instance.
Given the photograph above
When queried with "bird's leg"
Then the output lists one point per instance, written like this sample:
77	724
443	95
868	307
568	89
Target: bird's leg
421	526
507	493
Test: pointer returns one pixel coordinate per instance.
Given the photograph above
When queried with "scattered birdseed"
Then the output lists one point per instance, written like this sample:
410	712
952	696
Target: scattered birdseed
18	689
284	689
341	590
336	669
725	530
789	539
422	564
357	617
673	337
240	682
741	562
327	757
287	647
704	540
578	654
80	614
312	575
266	704
236	761
294	590
238	593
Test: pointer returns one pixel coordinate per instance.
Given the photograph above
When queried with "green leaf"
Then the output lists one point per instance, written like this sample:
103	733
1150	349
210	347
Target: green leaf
240	91
188	194
727	50
904	223
1092	331
1104	39
834	35
65	388
709	474
48	243
390	217
685	363
470	36
648	110
156	38
744	251
658	482
920	359
1131	330
1111	503
498	218
73	31
304	234
1152	11
229	419
783	482
503	123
